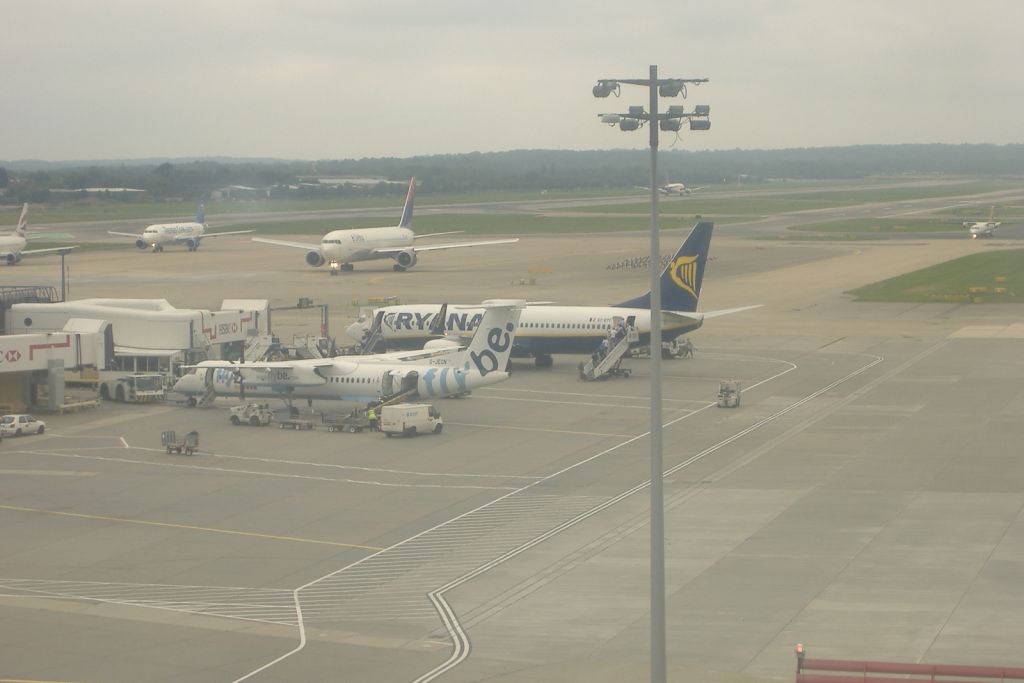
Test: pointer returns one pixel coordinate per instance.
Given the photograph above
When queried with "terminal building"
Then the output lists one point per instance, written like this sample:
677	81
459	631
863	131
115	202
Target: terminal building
46	337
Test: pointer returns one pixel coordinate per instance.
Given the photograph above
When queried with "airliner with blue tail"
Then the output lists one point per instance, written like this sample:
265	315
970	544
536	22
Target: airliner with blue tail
341	248
156	236
545	330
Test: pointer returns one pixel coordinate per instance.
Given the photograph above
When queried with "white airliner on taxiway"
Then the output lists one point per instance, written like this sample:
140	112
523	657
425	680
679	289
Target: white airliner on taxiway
983	228
12	247
189	234
443	371
344	247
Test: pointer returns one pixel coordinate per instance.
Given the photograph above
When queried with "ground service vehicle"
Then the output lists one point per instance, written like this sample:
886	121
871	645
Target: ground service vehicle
729	393
253	413
409	419
188	445
354	422
16	425
131	387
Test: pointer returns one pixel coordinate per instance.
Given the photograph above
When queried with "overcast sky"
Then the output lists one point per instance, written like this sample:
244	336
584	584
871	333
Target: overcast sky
325	79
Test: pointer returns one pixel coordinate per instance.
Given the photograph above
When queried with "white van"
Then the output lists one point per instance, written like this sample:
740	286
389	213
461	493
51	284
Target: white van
409	419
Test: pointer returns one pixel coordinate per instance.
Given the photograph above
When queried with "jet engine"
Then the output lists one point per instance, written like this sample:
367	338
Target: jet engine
406	259
12	259
141	244
315	258
193	244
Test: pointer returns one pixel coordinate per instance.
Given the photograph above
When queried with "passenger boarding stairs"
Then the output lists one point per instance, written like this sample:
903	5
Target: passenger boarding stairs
609	365
373	336
209	391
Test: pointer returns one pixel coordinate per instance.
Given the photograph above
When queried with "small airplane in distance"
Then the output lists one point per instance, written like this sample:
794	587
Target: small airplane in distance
442	372
677	189
12	246
347	246
545	329
673	189
983	228
156	236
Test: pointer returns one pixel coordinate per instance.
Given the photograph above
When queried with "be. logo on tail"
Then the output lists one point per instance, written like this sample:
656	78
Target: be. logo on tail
498	341
684	273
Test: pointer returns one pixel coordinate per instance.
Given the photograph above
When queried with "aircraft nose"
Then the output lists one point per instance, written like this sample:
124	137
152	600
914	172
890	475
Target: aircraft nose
189	384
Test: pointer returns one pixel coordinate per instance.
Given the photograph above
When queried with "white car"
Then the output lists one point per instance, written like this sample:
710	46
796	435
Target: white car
16	425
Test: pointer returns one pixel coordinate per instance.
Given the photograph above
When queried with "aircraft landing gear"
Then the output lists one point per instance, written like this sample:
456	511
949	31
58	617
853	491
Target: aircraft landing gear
157	247
543	361
347	267
397	268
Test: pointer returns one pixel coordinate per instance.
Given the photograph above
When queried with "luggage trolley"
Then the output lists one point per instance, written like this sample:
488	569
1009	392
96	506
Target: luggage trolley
188	445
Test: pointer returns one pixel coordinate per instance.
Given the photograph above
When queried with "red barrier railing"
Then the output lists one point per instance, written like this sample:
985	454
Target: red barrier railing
857	671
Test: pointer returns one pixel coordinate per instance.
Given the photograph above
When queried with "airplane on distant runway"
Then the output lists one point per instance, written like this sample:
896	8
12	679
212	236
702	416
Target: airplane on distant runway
437	373
156	236
677	189
983	228
545	330
12	246
345	247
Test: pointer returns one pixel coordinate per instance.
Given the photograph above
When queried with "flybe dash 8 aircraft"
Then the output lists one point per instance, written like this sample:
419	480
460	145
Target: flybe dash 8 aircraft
545	330
12	247
983	228
435	373
156	236
344	247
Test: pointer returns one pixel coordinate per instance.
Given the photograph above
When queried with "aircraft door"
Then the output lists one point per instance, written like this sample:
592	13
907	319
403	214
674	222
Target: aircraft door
409	381
387	382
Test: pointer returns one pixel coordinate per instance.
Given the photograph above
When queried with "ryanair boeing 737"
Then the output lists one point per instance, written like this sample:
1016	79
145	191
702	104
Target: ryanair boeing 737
545	330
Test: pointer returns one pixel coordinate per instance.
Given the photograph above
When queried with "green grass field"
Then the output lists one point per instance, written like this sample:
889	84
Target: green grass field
957	280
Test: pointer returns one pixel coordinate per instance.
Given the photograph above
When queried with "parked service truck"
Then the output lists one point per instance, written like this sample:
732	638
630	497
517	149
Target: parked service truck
254	414
409	419
131	387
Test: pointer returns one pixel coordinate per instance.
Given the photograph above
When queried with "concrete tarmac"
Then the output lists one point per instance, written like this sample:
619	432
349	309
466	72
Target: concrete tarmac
864	500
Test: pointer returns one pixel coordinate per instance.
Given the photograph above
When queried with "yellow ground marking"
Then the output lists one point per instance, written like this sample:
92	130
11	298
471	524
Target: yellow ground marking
188	527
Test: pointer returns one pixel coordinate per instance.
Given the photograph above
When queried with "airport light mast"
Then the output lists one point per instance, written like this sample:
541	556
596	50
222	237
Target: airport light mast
671	120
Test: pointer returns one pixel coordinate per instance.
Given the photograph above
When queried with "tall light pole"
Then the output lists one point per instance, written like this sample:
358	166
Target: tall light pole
669	121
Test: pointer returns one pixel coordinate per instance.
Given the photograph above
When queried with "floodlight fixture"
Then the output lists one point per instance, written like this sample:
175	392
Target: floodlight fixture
702	110
604	88
671	124
672	88
629	124
610	119
700	124
676	111
636	110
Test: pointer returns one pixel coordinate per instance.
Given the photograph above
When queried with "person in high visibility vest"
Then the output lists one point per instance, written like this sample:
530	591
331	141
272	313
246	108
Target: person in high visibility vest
371	415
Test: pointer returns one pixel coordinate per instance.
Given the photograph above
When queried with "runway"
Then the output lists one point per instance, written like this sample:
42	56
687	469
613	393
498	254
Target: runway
865	499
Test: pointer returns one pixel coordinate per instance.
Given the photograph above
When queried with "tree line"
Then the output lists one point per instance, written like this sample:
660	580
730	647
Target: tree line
525	170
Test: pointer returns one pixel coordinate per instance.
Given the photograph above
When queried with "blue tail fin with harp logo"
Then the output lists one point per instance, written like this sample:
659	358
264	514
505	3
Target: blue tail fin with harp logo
681	279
